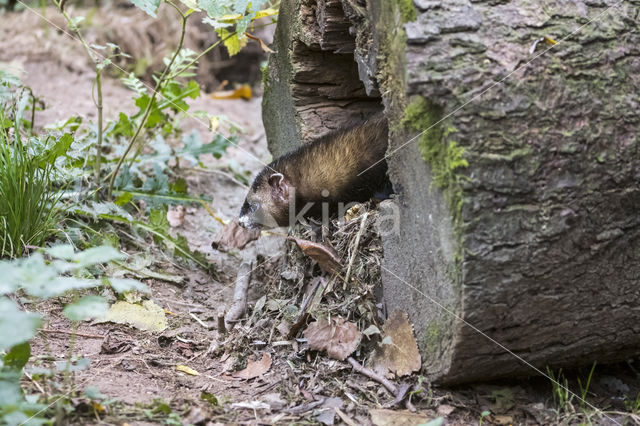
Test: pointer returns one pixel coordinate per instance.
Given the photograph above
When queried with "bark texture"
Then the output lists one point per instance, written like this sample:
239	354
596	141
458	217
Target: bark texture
311	84
519	195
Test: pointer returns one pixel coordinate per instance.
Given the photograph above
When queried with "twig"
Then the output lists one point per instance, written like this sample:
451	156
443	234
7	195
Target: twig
71	333
198	320
354	251
239	306
36	384
372	375
344	417
307	300
211	213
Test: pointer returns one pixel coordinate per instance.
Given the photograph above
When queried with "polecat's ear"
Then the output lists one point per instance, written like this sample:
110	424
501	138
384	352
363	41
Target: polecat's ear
279	185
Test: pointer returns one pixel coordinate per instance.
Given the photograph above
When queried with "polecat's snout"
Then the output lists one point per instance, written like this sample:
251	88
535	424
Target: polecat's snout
319	178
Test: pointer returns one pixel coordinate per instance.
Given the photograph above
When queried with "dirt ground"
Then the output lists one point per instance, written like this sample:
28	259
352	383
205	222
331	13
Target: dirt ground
135	368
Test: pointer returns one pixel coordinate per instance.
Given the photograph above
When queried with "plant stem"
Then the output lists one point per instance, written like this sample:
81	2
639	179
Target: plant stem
98	82
204	52
99	144
147	111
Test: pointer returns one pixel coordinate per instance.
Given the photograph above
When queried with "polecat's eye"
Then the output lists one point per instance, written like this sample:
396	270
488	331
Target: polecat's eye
253	207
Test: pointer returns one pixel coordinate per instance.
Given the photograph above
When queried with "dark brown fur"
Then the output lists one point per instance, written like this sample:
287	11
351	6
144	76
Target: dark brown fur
331	163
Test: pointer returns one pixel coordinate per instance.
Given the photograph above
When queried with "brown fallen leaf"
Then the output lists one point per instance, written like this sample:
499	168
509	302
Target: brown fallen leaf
255	368
337	336
326	256
176	216
398	352
444	410
501	420
234	236
242	92
383	417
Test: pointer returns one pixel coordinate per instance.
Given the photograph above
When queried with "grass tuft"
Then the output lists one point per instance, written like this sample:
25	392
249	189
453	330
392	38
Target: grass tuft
29	211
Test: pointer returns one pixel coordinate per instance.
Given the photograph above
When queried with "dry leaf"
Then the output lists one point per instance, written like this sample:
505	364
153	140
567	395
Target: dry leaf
338	337
234	236
242	92
326	256
398	351
444	410
501	420
353	212
187	370
396	418
148	317
255	368
176	216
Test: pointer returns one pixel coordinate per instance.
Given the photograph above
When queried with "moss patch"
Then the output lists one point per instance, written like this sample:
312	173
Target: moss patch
438	148
407	10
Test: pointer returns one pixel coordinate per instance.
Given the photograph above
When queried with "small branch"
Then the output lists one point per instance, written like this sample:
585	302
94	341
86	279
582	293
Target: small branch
372	375
198	320
239	306
71	333
354	251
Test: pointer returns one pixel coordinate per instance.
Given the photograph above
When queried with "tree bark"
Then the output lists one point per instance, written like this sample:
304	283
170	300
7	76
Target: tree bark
519	198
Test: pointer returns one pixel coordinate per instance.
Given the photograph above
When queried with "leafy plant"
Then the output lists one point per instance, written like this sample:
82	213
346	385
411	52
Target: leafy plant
67	272
29	203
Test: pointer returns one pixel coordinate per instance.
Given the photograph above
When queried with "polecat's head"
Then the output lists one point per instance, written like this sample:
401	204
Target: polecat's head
267	203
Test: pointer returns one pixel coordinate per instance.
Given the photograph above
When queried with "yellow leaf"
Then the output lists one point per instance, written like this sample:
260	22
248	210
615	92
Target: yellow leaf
229	19
97	407
266	12
550	41
148	317
234	43
187	370
242	92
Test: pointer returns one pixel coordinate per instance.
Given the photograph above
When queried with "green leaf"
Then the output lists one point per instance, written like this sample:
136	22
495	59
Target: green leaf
16	326
94	393
79	365
122	285
179	186
124	198
97	255
87	307
62	251
18	356
150	7
123	126
439	421
59	149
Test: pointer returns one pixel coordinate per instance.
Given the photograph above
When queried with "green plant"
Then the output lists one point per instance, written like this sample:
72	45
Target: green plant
29	211
482	416
62	271
584	390
562	396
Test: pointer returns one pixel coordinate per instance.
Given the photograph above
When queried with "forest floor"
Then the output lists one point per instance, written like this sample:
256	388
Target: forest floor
136	370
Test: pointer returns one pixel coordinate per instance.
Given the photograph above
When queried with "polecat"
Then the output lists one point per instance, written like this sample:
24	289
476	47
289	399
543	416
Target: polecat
318	178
